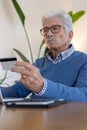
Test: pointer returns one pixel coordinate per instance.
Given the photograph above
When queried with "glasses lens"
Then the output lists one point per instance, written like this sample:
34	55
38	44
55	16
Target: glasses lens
55	28
44	31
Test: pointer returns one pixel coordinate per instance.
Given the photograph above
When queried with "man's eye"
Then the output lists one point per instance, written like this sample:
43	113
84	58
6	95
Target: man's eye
55	28
45	30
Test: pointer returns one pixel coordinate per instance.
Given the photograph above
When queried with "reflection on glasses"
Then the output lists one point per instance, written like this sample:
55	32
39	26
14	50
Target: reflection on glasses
54	29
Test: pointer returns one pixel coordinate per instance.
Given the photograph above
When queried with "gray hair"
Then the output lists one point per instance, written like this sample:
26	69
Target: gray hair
64	16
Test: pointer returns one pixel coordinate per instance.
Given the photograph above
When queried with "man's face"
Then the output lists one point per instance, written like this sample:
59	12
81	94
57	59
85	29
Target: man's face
58	41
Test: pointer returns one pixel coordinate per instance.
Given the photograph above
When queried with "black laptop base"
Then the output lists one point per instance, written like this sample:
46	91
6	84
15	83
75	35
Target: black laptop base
36	103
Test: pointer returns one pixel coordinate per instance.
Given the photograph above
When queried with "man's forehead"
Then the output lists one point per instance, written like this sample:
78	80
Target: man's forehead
52	21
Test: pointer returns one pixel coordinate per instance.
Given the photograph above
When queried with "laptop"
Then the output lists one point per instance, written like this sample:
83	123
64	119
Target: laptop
35	102
31	102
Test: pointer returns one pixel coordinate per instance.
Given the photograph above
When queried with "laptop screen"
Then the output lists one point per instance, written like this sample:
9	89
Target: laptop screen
9	99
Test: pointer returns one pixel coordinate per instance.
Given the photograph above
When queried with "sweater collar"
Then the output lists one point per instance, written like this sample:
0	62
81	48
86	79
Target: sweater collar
61	56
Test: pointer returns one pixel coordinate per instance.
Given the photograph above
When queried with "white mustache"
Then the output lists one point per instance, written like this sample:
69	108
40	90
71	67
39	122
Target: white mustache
51	39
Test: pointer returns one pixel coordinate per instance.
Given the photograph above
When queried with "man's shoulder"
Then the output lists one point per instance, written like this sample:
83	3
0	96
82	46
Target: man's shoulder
82	54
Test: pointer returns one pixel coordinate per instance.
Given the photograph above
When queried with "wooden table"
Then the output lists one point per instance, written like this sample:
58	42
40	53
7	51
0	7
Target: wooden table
69	116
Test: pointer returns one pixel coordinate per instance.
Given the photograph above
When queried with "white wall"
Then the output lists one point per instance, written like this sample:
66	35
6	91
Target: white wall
12	33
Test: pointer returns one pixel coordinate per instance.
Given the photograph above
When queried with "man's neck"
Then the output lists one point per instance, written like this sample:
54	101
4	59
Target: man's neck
54	53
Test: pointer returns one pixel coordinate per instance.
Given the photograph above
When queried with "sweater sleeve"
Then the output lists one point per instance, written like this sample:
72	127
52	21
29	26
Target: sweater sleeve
17	90
78	92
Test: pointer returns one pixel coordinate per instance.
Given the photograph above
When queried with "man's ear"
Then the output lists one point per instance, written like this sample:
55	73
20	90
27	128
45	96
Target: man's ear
71	34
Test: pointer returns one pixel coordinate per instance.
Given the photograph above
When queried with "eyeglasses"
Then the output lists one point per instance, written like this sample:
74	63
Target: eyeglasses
54	29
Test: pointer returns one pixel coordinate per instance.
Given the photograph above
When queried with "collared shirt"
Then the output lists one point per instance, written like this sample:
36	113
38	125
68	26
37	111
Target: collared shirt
59	58
62	56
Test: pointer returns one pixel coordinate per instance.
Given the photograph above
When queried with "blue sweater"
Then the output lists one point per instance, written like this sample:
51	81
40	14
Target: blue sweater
67	79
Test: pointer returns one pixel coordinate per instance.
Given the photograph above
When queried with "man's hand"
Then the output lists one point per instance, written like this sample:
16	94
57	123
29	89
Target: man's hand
30	76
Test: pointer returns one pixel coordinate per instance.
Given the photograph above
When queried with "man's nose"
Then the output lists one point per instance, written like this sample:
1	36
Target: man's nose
49	32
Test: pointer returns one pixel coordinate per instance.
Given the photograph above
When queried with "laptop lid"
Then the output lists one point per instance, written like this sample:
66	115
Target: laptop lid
9	99
33	102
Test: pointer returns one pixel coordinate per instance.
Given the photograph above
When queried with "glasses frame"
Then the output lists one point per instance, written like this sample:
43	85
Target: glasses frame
45	30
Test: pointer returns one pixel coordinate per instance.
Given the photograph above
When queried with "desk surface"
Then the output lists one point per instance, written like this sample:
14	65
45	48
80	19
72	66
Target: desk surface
69	116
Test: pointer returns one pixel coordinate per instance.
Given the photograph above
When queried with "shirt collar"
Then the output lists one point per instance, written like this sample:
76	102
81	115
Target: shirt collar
62	56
